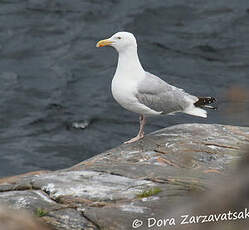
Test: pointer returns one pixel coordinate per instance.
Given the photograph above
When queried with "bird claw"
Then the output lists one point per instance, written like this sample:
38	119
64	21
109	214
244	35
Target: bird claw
138	137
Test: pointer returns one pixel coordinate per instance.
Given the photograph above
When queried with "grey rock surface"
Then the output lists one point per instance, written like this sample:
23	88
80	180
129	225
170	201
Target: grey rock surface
149	178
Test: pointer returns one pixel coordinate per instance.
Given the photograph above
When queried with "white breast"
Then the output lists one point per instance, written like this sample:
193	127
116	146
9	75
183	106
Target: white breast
128	74
124	92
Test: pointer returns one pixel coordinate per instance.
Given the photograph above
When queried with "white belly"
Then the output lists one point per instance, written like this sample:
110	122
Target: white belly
124	92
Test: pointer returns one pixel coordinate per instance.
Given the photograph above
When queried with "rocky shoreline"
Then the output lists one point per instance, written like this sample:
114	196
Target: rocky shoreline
152	178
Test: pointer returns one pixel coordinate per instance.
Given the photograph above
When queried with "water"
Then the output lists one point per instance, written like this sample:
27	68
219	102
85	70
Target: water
56	107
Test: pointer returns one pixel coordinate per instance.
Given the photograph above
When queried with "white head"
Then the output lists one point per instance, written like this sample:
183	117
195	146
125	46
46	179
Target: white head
120	41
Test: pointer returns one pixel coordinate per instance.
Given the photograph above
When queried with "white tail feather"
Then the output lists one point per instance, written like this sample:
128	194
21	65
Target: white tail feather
196	112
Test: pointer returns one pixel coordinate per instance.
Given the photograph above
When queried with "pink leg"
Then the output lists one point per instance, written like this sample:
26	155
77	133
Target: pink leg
140	134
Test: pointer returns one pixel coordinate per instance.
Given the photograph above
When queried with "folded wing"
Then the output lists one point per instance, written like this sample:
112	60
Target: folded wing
163	97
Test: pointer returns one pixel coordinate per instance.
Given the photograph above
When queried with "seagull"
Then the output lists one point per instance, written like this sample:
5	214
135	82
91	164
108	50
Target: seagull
144	93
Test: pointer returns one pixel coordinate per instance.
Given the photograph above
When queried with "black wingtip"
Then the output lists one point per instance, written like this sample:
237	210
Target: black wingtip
205	101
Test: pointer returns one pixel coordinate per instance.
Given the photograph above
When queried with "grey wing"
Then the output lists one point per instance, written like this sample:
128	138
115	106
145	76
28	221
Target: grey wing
162	97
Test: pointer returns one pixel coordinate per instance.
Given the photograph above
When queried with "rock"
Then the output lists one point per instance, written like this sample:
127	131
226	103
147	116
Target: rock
68	218
29	199
16	220
151	178
230	195
90	185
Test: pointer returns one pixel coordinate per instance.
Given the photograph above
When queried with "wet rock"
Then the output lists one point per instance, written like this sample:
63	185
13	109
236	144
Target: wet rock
150	178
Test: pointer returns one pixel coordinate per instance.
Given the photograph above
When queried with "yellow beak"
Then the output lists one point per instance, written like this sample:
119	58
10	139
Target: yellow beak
102	43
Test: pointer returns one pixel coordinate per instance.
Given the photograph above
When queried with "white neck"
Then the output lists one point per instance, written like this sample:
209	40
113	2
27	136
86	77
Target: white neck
128	62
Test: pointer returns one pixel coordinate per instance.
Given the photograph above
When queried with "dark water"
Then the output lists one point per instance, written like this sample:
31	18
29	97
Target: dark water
51	74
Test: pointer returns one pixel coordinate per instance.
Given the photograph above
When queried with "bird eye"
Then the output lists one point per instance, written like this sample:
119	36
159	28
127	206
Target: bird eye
118	37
